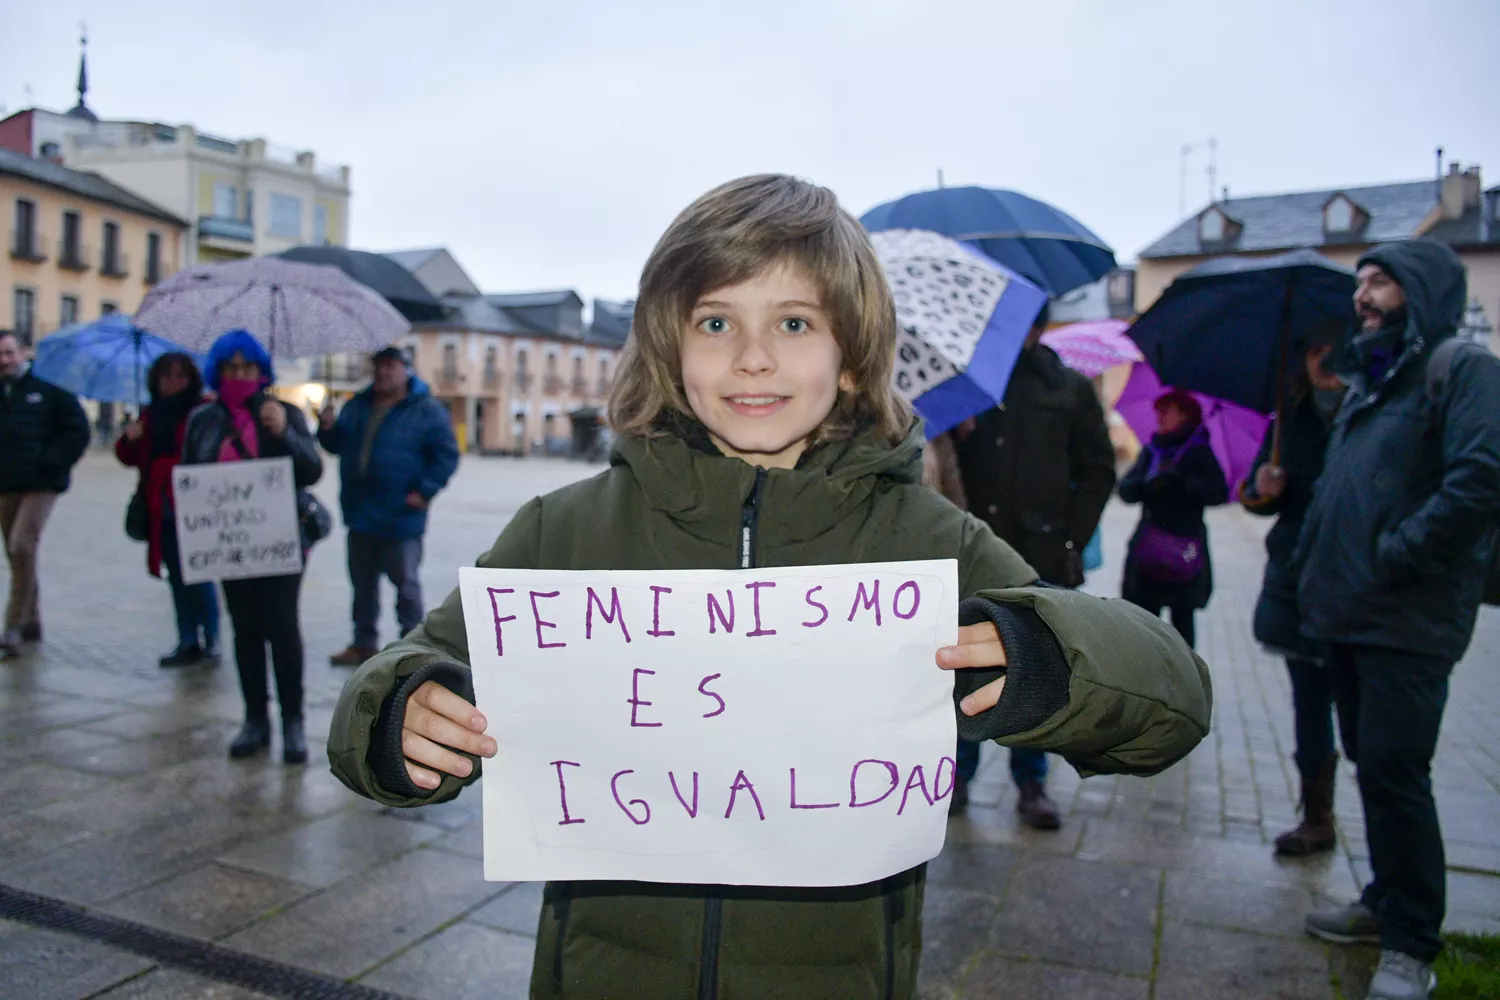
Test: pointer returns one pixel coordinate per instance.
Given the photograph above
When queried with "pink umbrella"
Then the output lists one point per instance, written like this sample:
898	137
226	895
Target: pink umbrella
1094	347
1234	432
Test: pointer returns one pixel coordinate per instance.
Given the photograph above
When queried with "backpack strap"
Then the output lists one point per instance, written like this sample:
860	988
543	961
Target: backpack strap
1440	366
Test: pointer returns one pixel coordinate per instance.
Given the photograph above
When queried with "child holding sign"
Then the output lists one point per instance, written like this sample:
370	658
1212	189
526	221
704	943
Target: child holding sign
758	426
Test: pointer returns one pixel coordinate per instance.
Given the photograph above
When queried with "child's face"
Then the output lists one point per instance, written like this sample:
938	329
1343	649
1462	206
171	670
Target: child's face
761	367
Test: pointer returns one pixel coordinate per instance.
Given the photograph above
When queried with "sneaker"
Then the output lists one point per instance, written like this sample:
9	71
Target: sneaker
1037	811
10	640
353	656
182	656
211	654
1402	977
1352	924
959	800
31	633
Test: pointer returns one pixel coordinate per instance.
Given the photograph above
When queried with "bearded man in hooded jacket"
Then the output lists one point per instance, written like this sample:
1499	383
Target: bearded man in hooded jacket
1392	560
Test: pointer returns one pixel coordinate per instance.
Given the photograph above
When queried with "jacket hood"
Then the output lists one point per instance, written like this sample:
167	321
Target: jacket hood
704	492
1433	279
415	389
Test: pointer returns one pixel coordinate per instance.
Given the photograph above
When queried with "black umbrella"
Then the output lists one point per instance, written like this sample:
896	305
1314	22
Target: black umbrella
390	280
1232	327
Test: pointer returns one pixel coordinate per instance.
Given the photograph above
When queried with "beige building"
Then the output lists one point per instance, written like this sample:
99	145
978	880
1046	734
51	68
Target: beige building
1342	224
78	246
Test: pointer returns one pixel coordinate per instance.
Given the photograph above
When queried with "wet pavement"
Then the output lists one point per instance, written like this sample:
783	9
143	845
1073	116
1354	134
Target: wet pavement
119	806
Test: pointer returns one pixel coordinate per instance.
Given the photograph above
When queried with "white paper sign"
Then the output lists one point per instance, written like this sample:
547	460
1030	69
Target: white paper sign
780	726
237	520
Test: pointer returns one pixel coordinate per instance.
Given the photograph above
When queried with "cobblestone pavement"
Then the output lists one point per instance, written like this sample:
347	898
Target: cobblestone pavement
116	796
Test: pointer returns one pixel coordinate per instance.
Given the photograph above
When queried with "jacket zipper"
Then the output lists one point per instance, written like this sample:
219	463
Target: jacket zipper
561	904
713	906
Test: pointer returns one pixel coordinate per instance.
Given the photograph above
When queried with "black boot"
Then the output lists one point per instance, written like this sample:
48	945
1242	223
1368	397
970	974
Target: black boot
293	741
254	736
182	656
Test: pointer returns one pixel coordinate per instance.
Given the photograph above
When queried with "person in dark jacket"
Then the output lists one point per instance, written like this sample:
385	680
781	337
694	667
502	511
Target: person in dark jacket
246	422
396	451
153	444
1281	486
1393	559
1038	469
1175	477
43	434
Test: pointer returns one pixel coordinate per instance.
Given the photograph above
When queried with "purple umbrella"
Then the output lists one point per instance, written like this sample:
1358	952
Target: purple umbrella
1234	432
296	310
1093	348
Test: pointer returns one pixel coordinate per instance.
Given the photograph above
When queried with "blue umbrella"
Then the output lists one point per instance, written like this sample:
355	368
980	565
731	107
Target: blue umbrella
1037	241
1233	327
105	360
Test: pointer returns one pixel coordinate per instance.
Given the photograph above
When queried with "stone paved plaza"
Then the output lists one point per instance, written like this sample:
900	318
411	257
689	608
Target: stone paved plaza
118	798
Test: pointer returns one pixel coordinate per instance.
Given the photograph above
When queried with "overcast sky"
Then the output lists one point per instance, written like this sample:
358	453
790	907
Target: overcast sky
548	144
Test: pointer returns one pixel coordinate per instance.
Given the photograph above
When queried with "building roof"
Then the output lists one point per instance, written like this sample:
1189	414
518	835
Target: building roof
1294	220
610	324
413	260
475	312
1479	226
82	183
529	300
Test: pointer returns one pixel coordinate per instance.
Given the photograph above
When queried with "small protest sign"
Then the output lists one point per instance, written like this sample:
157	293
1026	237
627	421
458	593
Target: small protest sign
237	520
782	726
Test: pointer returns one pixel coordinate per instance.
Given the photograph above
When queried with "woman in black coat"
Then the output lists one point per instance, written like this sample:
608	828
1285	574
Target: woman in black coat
1174	478
1283	488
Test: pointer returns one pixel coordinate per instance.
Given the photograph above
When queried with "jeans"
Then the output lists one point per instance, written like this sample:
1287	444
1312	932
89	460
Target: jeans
399	559
22	518
1390	707
1312	715
1182	620
1026	765
196	604
264	610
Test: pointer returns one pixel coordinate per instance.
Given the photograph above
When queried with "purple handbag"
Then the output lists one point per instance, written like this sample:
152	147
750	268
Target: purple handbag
1167	558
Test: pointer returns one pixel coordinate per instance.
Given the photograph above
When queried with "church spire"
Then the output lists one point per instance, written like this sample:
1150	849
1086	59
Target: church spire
81	110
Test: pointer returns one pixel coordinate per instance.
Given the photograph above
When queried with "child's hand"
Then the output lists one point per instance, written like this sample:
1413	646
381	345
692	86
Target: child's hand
978	646
437	719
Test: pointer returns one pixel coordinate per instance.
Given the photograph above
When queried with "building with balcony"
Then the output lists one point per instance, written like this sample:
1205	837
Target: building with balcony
77	247
240	197
515	370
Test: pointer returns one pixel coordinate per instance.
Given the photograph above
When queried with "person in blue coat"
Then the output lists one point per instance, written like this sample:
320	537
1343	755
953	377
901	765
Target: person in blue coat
396	452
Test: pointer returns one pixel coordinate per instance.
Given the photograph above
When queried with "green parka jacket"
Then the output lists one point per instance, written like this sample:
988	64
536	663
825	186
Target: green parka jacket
1108	686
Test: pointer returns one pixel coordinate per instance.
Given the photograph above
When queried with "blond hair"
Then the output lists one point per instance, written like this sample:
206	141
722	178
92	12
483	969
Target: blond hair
730	235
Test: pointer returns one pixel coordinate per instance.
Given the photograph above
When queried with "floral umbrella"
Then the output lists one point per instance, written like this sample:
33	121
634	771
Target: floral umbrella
1095	347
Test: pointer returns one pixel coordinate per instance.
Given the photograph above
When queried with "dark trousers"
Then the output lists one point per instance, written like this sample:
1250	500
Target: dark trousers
1026	765
196	604
1312	714
1390	707
1182	618
400	560
264	611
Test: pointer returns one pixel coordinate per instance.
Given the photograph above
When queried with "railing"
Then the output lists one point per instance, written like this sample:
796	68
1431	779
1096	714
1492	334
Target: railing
603	387
580	385
28	245
523	381
227	229
75	257
342	368
116	265
552	385
492	378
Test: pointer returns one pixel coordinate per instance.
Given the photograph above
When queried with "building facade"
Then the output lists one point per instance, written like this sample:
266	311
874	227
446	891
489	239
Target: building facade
78	246
1342	224
241	197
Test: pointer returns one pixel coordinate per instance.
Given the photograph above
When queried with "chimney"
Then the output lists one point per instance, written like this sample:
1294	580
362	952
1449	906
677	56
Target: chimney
1461	190
307	160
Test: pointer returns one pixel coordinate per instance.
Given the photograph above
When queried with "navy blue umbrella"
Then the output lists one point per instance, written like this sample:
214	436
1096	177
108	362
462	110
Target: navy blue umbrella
1234	327
1032	238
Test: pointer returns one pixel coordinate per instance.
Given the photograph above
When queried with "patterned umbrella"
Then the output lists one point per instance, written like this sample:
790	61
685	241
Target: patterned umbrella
1093	348
962	320
296	310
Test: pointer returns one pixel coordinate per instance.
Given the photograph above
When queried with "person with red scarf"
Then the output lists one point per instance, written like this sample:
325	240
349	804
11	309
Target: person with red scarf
153	444
247	422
